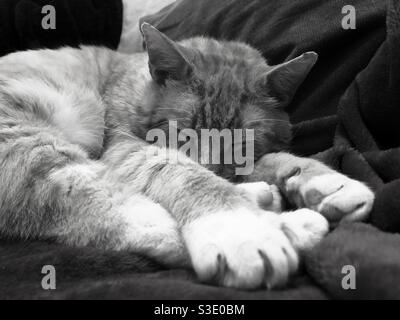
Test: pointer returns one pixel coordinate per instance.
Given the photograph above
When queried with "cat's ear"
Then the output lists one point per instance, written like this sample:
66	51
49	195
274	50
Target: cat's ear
283	80
166	58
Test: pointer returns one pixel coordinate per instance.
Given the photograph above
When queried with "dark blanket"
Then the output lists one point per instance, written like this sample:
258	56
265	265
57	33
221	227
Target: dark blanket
77	21
345	114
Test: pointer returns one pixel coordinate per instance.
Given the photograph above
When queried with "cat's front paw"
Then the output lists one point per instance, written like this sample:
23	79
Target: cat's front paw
241	250
334	195
304	228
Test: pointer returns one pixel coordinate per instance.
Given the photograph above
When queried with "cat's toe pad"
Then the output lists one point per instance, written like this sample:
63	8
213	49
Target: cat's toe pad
266	196
335	196
239	250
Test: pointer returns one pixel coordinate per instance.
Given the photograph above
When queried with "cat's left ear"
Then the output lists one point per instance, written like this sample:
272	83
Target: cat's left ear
284	80
166	58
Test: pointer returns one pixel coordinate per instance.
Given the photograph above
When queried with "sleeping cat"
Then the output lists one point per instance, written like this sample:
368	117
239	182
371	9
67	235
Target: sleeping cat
76	169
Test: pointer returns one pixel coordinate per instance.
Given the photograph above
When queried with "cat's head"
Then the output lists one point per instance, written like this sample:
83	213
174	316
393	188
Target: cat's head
203	83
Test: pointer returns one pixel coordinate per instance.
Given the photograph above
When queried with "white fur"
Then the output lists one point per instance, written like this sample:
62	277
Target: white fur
305	228
152	230
239	235
75	110
258	191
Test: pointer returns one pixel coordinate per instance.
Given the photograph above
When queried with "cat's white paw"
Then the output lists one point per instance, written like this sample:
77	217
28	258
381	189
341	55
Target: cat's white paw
268	197
241	250
334	195
304	228
149	228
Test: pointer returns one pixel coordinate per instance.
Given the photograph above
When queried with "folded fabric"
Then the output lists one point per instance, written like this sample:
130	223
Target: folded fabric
373	254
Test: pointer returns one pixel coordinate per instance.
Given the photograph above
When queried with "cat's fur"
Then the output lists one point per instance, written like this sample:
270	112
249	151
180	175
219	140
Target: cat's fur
74	166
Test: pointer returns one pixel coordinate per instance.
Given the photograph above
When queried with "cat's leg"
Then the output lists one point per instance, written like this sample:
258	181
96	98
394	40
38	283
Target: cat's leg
308	183
151	230
229	239
51	190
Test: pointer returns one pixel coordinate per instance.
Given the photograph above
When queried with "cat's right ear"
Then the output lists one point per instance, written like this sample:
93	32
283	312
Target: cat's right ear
166	58
284	80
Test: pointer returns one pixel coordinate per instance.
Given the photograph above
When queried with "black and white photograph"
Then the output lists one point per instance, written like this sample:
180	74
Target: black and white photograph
199	154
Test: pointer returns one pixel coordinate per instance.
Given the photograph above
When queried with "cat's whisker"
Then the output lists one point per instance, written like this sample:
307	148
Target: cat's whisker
176	110
265	120
125	134
159	124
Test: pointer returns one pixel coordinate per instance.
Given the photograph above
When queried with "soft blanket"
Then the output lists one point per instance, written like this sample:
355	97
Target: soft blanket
346	114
